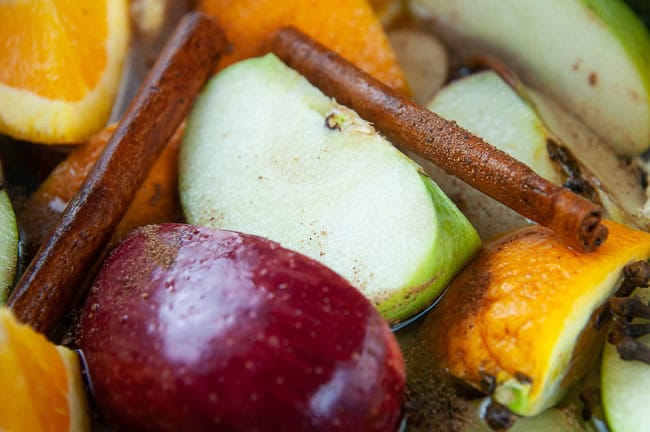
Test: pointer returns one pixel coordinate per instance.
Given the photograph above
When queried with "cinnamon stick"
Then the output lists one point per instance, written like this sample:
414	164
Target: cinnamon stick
576	220
50	282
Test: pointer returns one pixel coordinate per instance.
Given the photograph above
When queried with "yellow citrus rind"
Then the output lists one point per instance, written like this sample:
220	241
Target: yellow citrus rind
522	310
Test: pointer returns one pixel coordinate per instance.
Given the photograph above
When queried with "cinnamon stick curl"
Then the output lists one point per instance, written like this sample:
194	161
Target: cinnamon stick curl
576	220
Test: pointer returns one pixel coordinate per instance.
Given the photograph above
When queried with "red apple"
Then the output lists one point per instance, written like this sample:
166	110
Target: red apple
189	328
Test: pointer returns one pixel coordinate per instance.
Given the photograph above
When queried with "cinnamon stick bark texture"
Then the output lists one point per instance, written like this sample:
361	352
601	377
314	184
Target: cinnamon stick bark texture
458	152
50	282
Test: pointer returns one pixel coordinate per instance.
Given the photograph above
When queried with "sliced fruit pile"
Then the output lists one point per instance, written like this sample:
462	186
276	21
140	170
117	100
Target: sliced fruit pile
320	180
537	131
311	233
603	75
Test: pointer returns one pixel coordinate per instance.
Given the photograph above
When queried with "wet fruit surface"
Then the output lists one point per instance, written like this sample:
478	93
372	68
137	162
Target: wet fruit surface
188	328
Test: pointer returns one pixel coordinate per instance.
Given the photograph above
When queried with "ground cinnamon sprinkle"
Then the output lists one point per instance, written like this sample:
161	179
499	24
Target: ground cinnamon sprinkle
161	252
432	405
434	400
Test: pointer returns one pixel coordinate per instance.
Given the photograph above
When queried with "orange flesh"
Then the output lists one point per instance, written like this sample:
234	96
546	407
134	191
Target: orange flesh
33	381
348	27
46	48
505	312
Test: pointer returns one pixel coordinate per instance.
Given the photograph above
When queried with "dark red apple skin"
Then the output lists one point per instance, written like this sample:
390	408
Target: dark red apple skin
193	329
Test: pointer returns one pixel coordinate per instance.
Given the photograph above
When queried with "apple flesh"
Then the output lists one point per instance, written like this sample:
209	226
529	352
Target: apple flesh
534	129
616	181
592	56
8	242
189	328
485	105
267	153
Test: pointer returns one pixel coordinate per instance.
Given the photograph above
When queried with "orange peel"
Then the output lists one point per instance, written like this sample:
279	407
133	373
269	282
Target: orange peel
521	314
41	387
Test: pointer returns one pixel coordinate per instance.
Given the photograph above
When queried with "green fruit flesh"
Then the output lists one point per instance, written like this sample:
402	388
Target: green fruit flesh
267	153
617	183
8	246
523	123
485	105
592	56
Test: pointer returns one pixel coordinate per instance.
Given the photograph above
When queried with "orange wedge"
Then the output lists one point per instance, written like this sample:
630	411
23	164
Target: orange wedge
349	27
521	310
60	68
41	388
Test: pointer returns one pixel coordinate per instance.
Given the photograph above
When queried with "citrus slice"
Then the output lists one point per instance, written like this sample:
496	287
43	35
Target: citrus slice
519	318
60	68
41	388
349	27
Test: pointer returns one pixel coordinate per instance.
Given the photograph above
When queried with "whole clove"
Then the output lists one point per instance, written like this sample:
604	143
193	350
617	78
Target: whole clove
498	417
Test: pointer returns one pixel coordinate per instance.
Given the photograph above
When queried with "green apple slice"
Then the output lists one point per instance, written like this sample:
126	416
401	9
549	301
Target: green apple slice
485	105
267	153
593	56
616	181
8	243
534	129
626	386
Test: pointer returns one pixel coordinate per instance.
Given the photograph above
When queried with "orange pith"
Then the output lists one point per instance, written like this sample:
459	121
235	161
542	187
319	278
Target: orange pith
35	389
55	48
349	27
506	314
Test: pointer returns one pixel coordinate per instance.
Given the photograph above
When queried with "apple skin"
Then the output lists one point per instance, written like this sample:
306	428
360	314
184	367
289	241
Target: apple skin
8	243
190	328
